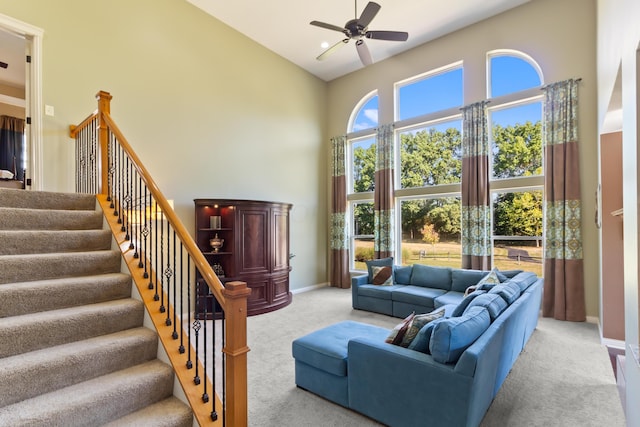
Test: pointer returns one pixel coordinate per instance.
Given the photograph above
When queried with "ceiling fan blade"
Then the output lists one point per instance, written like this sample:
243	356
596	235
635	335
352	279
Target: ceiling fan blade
327	26
398	36
363	52
369	12
332	49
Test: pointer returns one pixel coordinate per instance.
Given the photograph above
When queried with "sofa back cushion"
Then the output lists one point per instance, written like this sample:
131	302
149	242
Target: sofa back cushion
452	336
462	306
524	280
494	304
461	279
431	277
509	291
402	275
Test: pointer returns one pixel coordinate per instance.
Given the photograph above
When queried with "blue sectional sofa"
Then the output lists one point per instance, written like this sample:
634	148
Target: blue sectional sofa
419	288
449	373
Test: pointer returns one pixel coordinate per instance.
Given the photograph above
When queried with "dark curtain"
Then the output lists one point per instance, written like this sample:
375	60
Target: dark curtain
12	145
476	207
564	297
340	277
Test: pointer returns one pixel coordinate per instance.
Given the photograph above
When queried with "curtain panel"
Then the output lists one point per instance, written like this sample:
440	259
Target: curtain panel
564	297
384	222
475	209
339	276
12	145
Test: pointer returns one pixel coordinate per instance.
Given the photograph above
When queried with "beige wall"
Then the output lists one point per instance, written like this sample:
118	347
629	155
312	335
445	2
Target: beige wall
210	112
561	53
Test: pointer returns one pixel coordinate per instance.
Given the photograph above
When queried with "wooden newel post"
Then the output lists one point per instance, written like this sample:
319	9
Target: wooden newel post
104	106
236	349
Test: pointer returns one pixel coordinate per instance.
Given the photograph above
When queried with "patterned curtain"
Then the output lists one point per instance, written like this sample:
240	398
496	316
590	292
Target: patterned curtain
12	145
476	210
339	241
383	198
563	265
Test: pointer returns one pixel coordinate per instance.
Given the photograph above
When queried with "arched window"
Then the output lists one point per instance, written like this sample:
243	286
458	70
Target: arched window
365	115
511	71
517	182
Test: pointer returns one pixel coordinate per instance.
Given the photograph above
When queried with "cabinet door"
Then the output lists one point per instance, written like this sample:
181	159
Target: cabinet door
280	240
253	241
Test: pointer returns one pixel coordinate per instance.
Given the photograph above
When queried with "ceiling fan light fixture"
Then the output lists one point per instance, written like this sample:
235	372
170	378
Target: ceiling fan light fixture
358	29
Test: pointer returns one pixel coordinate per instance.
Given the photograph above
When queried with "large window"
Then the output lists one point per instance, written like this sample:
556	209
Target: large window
361	158
428	165
515	117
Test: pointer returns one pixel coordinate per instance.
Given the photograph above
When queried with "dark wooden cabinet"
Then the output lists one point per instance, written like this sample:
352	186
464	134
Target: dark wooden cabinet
255	249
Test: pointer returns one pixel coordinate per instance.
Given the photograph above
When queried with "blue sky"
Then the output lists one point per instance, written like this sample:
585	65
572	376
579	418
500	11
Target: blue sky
508	74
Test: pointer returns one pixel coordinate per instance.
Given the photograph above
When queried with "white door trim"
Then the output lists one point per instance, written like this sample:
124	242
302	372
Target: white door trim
33	36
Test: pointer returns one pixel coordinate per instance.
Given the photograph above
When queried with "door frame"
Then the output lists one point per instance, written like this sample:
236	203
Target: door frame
33	93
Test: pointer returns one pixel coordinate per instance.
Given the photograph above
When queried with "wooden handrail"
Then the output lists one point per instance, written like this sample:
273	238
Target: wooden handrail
232	297
201	263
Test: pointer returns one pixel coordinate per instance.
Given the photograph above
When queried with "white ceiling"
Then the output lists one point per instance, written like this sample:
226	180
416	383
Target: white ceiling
283	26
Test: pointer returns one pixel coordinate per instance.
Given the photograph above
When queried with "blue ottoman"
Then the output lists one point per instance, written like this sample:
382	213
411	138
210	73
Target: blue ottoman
321	358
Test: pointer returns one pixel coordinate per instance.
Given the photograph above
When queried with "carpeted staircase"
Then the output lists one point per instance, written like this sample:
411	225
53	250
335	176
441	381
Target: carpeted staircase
73	349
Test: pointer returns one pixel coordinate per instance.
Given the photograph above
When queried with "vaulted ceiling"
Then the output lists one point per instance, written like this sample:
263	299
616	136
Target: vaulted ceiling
283	26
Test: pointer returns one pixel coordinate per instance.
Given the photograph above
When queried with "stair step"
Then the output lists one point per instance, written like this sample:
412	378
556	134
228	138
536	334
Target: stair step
170	412
46	200
28	375
21	298
48	241
30	267
40	219
96	401
30	332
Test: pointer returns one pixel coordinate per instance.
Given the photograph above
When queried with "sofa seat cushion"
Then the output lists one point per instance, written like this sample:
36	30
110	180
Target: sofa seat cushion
431	277
450	297
326	348
494	304
383	292
452	336
417	295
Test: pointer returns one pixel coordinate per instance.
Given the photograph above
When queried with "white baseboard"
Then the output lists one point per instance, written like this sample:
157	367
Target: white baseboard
309	288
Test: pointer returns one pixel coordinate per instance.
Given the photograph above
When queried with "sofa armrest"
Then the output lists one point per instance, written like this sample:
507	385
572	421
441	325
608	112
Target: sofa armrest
357	281
402	387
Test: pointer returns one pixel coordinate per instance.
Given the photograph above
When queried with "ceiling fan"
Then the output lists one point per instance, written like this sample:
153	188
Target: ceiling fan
357	29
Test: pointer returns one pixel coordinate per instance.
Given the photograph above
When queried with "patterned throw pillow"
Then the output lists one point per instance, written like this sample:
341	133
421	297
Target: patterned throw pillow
382	276
490	279
397	333
419	320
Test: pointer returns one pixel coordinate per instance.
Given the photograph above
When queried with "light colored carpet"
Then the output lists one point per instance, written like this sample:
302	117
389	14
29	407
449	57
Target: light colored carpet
562	378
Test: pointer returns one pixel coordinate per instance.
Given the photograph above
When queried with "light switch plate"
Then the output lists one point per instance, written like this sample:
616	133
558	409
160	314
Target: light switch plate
48	110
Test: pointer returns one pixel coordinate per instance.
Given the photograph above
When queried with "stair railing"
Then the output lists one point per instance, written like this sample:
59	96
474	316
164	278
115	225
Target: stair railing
166	265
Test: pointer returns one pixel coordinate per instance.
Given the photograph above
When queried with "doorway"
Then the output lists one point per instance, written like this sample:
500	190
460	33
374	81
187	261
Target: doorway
21	94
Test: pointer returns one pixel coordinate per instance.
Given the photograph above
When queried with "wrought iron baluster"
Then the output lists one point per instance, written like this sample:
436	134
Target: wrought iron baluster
158	267
205	395
174	335
196	327
160	291
189	363
169	272
182	280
